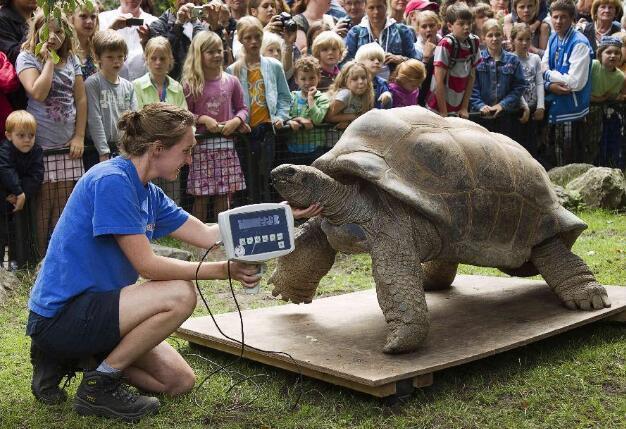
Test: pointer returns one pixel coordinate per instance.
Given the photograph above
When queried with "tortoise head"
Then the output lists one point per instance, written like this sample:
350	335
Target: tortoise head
302	185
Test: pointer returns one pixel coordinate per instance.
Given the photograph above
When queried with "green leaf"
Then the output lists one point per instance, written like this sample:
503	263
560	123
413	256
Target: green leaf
89	5
38	48
40	3
57	14
55	57
44	33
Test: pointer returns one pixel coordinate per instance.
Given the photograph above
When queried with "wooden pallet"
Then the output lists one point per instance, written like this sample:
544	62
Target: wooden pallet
340	339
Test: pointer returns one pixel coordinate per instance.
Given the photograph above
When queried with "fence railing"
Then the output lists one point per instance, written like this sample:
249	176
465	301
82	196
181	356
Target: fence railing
230	172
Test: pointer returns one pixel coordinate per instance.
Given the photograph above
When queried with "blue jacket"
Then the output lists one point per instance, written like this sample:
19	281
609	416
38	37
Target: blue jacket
380	85
277	94
568	107
396	39
498	82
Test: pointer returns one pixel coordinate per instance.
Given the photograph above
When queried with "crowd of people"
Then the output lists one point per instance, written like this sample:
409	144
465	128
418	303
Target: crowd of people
255	67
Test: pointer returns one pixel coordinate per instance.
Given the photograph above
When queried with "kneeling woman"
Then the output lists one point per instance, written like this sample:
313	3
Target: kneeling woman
85	301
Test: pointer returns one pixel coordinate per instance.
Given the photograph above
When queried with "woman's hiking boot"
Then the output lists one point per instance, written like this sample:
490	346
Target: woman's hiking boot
47	374
105	395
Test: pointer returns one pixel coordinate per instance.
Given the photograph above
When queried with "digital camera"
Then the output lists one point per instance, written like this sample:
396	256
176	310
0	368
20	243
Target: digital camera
289	25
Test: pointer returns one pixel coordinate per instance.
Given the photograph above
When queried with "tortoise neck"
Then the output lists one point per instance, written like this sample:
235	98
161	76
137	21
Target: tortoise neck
345	204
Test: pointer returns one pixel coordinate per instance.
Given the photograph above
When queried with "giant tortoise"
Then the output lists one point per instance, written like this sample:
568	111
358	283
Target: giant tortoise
421	194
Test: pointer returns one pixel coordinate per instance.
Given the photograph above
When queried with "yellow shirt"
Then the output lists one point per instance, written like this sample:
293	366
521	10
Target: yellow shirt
258	107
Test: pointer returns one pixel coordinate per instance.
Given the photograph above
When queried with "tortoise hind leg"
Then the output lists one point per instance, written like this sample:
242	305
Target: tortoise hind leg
568	276
438	274
297	275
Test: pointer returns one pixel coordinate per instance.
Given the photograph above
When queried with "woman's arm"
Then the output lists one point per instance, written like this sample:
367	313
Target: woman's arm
197	233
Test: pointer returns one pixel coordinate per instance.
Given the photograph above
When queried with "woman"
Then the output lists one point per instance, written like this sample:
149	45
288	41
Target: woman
397	40
309	12
396	10
604	13
85	301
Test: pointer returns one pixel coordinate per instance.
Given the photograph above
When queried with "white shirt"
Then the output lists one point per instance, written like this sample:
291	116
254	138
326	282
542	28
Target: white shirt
135	66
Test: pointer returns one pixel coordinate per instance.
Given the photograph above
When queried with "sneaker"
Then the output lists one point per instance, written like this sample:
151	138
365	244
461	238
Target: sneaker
47	374
101	394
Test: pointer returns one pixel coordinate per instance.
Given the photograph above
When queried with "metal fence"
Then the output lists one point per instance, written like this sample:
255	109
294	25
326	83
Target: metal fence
227	173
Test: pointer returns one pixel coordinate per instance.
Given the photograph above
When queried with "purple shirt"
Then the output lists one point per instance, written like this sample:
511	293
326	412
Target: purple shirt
221	99
402	97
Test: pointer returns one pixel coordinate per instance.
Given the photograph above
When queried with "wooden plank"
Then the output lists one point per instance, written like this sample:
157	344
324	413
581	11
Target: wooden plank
618	318
339	339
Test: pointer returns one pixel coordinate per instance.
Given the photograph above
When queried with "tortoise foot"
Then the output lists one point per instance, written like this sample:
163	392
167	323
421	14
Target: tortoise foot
404	338
587	296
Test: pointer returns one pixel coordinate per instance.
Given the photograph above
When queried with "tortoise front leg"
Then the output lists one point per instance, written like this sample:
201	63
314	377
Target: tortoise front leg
398	275
297	275
568	276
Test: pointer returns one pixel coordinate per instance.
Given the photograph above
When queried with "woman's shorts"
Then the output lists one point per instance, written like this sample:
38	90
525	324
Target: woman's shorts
88	325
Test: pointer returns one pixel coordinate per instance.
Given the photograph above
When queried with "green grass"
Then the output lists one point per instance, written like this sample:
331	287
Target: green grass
577	379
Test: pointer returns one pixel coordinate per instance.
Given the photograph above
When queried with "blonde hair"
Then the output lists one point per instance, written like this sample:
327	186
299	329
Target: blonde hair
159	44
370	51
193	75
34	27
161	122
245	25
489	25
520	28
96	9
20	120
411	71
328	40
597	3
271	39
109	40
429	15
341	82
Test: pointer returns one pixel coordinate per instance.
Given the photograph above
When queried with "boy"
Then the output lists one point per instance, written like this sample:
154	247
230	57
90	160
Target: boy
372	56
108	94
308	108
21	172
329	49
456	58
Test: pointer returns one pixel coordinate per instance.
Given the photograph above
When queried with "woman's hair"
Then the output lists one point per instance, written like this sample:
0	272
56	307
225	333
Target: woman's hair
328	40
159	44
162	122
299	6
20	120
254	4
271	39
109	40
427	15
341	81
89	52
597	3
491	24
193	75
34	27
411	71
370	51
519	28
245	25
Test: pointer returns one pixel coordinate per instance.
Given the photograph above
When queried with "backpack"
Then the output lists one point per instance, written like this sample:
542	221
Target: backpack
456	47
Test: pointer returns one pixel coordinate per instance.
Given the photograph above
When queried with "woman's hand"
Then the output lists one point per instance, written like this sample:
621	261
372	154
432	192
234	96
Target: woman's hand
393	59
77	146
247	274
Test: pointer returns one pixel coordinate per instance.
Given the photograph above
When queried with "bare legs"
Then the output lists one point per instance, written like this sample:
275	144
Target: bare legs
200	203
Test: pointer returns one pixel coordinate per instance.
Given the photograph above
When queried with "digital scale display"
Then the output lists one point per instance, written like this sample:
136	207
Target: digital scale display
257	222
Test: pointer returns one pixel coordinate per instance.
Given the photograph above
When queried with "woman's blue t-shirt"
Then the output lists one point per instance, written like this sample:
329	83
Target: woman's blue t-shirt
83	255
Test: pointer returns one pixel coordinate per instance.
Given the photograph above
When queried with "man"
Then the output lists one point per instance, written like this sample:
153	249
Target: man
566	65
116	19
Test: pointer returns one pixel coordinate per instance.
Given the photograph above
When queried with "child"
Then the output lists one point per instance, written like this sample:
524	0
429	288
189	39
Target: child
405	82
85	22
456	58
372	56
308	108
533	99
329	49
351	95
21	174
482	12
108	94
428	26
502	68
157	86
57	100
267	95
272	46
607	81
526	12
216	99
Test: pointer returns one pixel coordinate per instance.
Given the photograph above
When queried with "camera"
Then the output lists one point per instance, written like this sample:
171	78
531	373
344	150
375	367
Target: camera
289	25
347	20
196	12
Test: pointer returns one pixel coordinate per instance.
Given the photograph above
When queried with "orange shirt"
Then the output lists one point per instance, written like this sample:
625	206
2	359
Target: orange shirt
259	112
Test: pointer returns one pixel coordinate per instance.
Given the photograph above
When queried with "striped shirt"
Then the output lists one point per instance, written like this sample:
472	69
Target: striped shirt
458	75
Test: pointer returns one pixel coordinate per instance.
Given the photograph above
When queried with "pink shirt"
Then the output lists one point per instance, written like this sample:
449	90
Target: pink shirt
402	97
221	99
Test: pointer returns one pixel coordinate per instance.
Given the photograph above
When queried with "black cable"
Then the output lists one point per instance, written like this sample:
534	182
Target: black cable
220	368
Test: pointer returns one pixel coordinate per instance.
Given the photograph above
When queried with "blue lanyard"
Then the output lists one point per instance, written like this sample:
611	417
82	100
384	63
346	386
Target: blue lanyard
163	94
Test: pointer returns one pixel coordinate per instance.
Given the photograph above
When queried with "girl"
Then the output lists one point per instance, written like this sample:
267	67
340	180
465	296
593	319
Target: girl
276	47
267	96
57	100
329	50
428	26
216	99
351	95
527	12
500	67
533	98
405	83
85	24
157	86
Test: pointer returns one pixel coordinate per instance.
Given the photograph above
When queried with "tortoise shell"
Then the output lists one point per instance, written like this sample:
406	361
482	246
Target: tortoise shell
489	198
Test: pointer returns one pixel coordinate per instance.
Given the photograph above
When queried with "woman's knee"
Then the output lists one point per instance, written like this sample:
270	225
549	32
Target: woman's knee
181	382
183	296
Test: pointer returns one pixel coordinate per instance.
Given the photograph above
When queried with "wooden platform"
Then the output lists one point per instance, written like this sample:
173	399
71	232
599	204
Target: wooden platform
340	339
